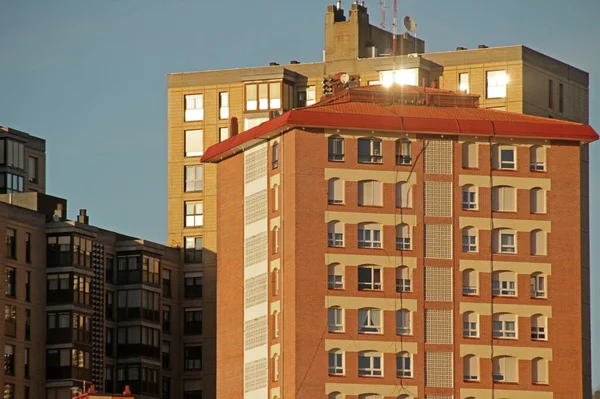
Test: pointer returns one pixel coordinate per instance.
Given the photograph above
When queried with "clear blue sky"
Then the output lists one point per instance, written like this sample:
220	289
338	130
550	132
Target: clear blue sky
90	78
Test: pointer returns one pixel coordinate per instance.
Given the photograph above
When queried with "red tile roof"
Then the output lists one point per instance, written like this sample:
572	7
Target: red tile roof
348	110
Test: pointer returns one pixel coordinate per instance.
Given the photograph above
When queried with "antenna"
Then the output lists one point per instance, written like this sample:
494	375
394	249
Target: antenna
394	26
382	2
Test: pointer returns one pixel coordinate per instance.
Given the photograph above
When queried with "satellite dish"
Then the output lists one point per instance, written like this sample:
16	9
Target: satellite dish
345	78
410	24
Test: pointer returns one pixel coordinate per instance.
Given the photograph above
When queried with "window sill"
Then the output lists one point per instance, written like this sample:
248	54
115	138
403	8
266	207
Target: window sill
336	203
371	332
336	160
540	383
335	246
371	376
336	375
470	337
370	163
472	209
476	381
336	332
370	206
470	167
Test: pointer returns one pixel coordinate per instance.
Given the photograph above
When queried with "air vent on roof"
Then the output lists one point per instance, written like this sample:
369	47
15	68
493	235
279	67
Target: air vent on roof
294	62
273	64
482	46
460	48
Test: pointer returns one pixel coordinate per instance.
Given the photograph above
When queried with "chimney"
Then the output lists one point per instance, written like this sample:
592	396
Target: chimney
294	62
273	63
83	218
339	4
233	126
127	391
482	46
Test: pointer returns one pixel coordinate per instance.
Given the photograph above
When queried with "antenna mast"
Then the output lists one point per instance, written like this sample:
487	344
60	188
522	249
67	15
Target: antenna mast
383	21
394	28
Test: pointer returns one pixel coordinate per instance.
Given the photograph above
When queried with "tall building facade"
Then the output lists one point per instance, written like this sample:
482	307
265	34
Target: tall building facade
356	53
403	243
22	162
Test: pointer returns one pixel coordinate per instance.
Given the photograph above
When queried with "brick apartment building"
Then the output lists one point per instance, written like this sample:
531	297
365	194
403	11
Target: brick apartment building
200	105
399	243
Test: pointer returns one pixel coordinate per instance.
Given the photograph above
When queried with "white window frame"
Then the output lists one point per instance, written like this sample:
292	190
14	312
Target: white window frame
501	196
223	133
469	289
403	322
463	82
375	150
537	161
334	237
335	319
403	283
194	218
536	378
373	323
403	195
469	198
373	369
403	152
192	135
403	243
404	359
335	362
537	200
335	281
194	107
539	327
335	148
500	369
470	327
505	247
505	329
473	372
335	192
370	193
370	235
538	285
224	105
469	240
507	165
501	287
375	282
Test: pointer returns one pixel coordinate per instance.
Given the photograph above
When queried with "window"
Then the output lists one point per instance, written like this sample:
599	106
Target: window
194	146
470	325
403	282
537	158
223	105
193	285
250	122
275	238
469	239
369	278
404	365
166	318
503	284
15	154
538	285
470	282
335	234
370	150
550	93
403	237
10	320
166	283
370	364
369	321
504	157
28	324
11	183
463	82
497	82
335	395
263	96
403	152
9	391
275	324
192	358
504	199
10	282
403	195
336	362
193	249
504	241
369	235
504	326
9	360
194	213
192	324
335	145
223	133
109	305
192	389
11	243
335	319
33	170
538	242
539	328
275	367
370	193
335	192
471	368
26	362
505	369
275	281
194	107
194	178
275	155
539	371
335	276
470	157
469	197
561	102
28	248
537	200
403	322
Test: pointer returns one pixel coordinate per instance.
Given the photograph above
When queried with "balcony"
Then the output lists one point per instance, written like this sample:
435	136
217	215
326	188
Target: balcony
138	350
62	373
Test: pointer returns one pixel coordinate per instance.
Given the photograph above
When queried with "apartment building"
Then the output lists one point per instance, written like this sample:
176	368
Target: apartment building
22	162
201	106
403	243
85	305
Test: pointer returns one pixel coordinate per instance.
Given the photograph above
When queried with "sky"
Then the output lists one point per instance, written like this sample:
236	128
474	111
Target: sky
90	77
